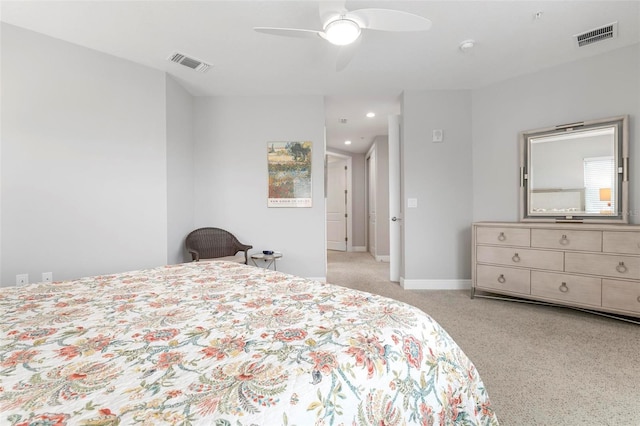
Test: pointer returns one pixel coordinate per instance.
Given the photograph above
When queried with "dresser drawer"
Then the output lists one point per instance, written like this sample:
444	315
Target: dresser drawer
568	288
621	242
603	264
623	295
526	258
566	239
503	236
501	278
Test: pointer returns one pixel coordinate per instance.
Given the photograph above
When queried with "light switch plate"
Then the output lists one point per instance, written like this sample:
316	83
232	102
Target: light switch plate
438	135
412	203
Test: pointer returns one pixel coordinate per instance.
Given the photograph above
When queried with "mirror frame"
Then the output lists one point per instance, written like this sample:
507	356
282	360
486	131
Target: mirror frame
621	215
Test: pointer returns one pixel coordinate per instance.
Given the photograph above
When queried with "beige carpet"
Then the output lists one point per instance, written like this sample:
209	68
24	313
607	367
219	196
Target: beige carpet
541	365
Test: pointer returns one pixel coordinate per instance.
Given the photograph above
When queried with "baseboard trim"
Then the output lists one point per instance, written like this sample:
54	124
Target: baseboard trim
359	249
435	284
383	259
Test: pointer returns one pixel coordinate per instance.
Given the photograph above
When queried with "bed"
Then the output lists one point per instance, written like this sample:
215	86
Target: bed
222	343
558	201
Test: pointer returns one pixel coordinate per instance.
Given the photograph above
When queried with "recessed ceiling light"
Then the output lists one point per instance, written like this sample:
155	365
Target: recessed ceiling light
347	142
371	114
467	45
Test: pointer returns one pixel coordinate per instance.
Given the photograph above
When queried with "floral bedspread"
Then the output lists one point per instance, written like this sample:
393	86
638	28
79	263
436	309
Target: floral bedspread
222	343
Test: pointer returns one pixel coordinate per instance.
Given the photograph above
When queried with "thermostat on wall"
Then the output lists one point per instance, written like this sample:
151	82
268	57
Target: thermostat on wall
438	135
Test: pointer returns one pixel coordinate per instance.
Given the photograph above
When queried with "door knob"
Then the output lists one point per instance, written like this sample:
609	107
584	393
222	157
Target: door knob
396	218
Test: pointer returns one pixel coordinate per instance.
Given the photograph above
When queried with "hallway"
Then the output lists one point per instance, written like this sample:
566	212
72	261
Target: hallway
360	271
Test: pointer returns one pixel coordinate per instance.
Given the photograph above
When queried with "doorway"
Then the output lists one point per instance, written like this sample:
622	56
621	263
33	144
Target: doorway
338	204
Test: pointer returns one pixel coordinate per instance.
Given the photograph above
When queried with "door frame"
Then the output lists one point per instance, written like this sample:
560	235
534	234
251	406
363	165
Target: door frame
396	228
349	178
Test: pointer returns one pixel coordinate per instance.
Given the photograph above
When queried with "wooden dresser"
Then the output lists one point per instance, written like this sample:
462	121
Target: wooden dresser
588	266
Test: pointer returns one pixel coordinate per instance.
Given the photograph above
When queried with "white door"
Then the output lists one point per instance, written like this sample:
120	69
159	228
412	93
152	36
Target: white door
336	203
395	203
371	202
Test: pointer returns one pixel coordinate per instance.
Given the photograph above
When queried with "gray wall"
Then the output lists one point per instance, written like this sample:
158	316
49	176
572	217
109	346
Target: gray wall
603	86
88	187
180	174
381	147
359	219
560	164
84	163
231	175
100	174
437	233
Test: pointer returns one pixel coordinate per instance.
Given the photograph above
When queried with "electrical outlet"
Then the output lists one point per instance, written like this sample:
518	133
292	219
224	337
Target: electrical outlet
47	277
22	279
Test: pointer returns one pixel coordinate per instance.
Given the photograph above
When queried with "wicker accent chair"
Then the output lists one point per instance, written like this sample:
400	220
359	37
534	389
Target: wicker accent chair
215	243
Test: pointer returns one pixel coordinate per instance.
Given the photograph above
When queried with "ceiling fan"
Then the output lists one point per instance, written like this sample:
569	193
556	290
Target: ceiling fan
344	28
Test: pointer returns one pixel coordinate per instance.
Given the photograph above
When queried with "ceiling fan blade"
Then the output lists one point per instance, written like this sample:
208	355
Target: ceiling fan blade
289	32
390	20
346	54
331	9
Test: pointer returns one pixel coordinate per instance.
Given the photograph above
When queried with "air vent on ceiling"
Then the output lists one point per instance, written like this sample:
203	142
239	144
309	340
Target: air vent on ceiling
597	34
192	63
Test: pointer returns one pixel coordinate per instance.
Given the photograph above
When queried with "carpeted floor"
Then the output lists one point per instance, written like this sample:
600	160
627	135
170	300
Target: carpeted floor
541	365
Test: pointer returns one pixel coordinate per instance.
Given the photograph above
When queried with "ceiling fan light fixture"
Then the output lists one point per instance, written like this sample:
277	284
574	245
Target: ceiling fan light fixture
342	32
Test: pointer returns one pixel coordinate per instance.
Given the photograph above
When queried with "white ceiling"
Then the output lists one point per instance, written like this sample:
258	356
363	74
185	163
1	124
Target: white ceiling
509	42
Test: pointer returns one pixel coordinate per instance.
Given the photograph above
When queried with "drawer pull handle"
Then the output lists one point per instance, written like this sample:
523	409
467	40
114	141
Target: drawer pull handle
564	240
516	258
563	287
622	268
638	299
502	237
502	279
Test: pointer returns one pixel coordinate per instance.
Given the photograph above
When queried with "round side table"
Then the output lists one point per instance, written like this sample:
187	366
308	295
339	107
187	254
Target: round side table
268	259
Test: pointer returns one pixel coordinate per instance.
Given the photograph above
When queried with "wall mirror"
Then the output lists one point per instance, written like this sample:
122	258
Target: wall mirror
576	172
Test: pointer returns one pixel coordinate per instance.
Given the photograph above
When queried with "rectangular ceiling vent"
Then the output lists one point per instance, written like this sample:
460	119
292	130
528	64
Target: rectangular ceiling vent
597	34
194	64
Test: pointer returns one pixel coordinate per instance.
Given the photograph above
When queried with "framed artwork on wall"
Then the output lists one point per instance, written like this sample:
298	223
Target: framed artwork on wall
289	166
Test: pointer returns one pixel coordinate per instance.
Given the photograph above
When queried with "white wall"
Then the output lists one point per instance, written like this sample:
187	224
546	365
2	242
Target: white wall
180	173
83	160
436	234
603	86
232	182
